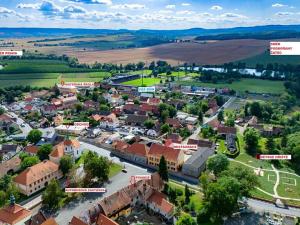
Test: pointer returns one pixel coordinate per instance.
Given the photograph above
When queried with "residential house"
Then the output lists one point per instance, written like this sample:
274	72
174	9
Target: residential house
66	147
175	138
196	163
269	131
109	122
10	166
202	143
131	108
90	104
136	120
223	130
6	122
58	120
69	101
215	123
154	101
172	122
74	130
77	221
49	110
31	149
174	157
152	133
14	214
138	152
40	219
191	120
48	136
159	204
104	220
37	177
9	150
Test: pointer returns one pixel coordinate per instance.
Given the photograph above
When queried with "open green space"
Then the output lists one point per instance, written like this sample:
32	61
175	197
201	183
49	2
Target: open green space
115	169
49	79
145	72
266	58
289	186
243	85
37	66
143	82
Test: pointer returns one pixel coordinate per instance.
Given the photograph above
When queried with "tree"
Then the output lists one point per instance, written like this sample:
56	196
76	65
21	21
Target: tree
221	116
96	166
256	109
52	195
34	136
186	219
187	194
247	179
204	181
284	141
44	151
221	197
270	144
65	164
217	163
29	161
125	97
251	138
200	117
165	128
149	124
3	198
2	110
163	169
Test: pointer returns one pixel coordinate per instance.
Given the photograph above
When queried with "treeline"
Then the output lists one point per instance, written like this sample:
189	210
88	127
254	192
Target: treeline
259	36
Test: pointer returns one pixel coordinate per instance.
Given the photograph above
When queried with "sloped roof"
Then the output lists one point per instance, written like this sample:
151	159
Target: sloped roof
160	201
104	220
13	214
138	149
168	152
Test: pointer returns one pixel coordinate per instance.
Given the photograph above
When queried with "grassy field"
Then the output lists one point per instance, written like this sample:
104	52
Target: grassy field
49	79
37	66
266	58
145	72
146	82
251	85
289	186
115	169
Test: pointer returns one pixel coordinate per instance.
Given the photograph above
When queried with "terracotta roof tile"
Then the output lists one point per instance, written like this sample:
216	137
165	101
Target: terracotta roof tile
31	149
103	220
76	221
13	214
160	201
36	172
168	152
49	221
138	149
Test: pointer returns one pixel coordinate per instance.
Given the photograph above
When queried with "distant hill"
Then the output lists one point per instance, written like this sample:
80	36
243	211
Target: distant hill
42	32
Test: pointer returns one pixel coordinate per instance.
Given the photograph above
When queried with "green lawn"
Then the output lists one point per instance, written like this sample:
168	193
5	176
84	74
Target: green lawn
115	169
145	72
146	82
245	84
289	186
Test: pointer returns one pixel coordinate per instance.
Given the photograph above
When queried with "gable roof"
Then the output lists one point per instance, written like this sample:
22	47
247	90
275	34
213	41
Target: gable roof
104	220
200	143
13	214
58	151
120	145
168	152
226	130
31	149
36	172
136	118
160	201
138	149
76	221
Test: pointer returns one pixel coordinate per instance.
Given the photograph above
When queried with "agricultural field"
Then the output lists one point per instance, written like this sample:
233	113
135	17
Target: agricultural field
145	72
37	66
245	84
143	82
49	79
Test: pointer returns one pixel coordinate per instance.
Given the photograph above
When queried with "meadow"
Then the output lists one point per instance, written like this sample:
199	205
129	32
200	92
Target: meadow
145	82
243	85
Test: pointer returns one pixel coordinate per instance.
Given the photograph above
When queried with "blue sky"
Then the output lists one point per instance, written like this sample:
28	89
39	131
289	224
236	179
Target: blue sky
150	14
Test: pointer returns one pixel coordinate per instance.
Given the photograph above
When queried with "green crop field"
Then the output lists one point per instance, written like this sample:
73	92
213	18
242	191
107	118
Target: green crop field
37	66
145	72
146	82
266	58
49	79
246	84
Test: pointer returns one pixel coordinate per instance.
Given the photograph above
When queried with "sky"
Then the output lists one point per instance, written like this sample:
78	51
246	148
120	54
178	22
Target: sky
147	14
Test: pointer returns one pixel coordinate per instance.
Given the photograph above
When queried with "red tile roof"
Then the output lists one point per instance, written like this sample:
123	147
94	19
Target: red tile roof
49	221
76	221
31	149
138	149
36	172
168	152
28	107
173	122
103	220
160	201
13	214
226	130
120	145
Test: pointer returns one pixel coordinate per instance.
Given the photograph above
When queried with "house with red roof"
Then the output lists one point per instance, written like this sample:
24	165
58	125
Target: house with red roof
66	147
154	101
174	157
138	152
159	204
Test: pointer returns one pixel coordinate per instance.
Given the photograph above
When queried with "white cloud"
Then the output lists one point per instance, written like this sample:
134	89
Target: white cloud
28	6
170	6
232	15
104	2
281	14
216	7
278	5
185	4
185	12
128	6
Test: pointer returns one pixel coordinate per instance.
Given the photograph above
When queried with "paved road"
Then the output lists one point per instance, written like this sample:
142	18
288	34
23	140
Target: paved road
117	182
260	206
